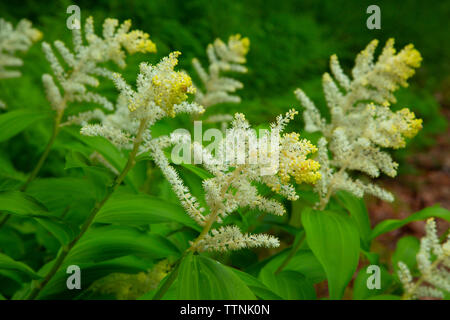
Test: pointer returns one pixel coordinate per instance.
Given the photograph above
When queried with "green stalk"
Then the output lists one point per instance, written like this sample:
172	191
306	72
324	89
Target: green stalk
65	251
46	152
172	276
206	228
291	254
214	211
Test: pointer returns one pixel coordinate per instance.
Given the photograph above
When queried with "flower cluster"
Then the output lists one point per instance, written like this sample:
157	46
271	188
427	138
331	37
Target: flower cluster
433	261
161	92
12	40
223	57
361	121
159	88
83	62
242	160
231	238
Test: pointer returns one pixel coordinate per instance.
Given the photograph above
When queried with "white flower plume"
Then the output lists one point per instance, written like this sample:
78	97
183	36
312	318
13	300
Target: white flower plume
361	121
83	63
13	40
223	57
242	161
433	261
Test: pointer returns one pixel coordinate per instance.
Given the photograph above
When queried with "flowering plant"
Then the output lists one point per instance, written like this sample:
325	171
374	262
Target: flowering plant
261	212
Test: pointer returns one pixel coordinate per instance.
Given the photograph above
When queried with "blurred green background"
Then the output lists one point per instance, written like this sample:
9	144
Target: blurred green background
291	42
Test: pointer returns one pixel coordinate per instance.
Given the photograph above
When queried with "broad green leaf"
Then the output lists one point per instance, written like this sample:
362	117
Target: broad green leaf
358	210
7	263
392	224
200	172
10	178
288	284
75	159
99	176
257	287
68	197
13	122
406	251
63	232
57	194
201	278
19	203
109	152
110	242
10	182
136	210
57	288
11	243
361	290
303	262
334	240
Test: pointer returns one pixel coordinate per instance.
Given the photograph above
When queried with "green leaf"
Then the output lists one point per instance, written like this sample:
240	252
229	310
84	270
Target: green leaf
392	224
303	262
99	176
290	285
7	263
136	210
110	242
406	251
361	290
68	197
334	240
75	159
13	122
201	278
19	203
57	288
200	172
358	210
10	178
59	229
257	287
109	152
57	194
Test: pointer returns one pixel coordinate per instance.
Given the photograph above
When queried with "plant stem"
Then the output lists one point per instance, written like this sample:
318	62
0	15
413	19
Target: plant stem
212	218
214	211
42	159
324	201
44	155
65	251
173	275
291	254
